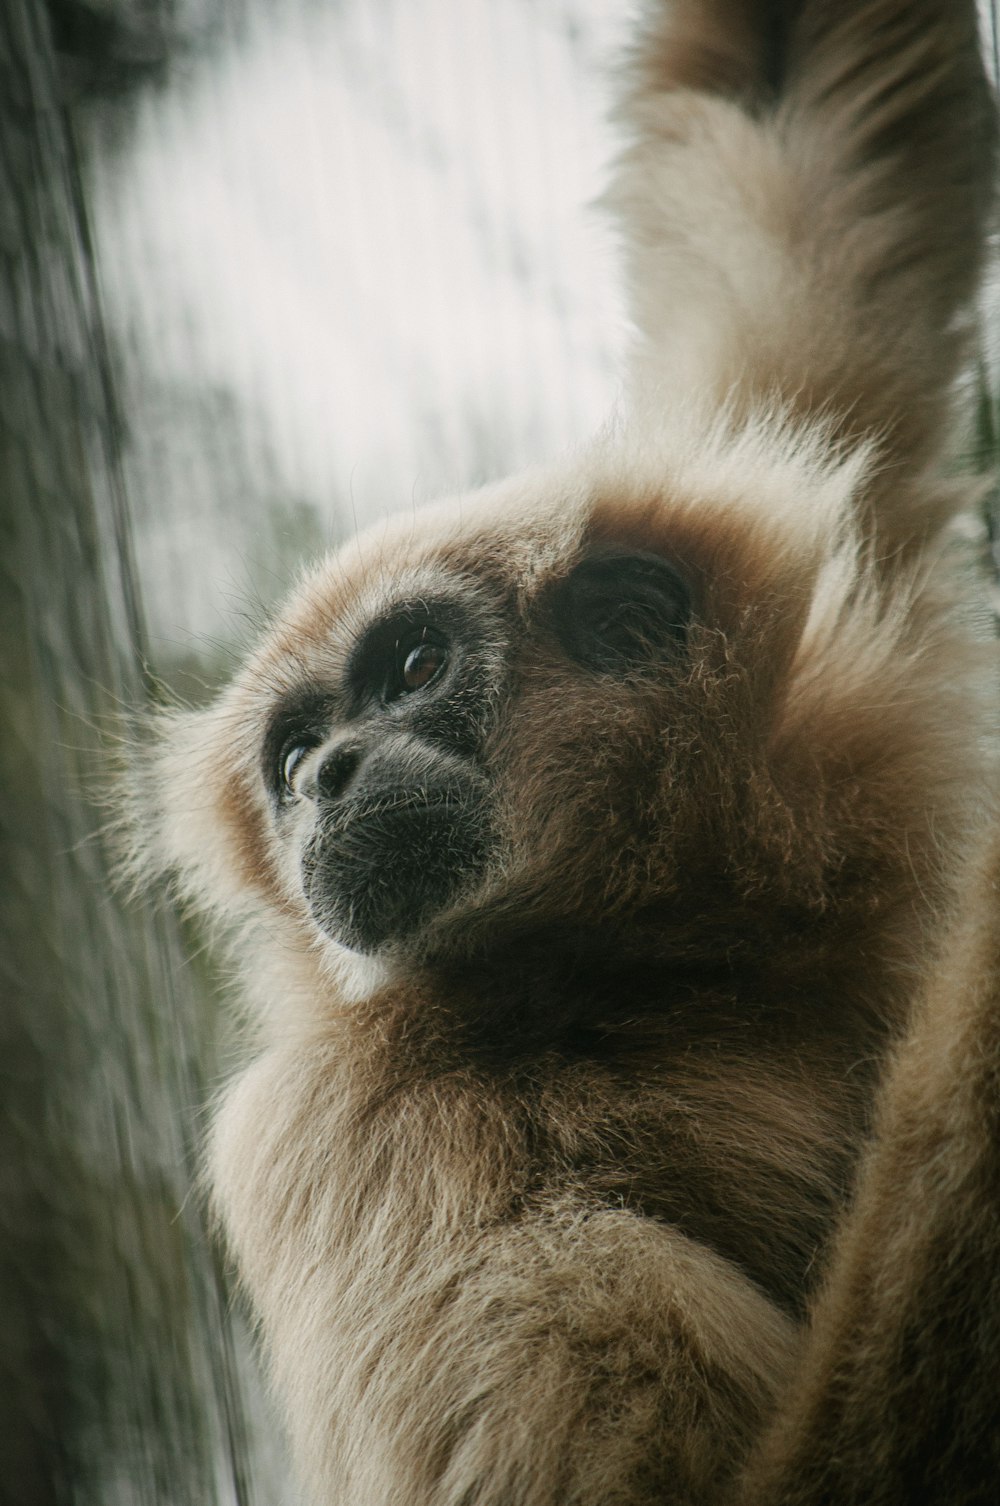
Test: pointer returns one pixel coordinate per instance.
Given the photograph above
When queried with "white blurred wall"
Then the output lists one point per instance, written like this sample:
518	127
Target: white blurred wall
348	263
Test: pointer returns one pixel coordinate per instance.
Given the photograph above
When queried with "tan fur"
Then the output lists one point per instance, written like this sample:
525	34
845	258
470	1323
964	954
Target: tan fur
895	1398
532	1203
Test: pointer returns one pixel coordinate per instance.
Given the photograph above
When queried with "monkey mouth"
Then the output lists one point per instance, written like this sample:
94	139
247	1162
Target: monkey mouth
378	869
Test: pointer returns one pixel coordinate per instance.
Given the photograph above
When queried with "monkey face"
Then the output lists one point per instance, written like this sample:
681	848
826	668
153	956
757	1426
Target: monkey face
383	780
379	794
548	706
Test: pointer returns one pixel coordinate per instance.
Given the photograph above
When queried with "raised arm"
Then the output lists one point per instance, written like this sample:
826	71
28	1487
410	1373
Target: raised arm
804	207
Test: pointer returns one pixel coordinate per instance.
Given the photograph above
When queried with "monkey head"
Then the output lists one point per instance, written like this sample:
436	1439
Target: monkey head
387	781
583	701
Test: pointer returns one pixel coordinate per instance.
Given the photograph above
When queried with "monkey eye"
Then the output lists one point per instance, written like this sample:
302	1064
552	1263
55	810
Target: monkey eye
403	653
290	763
292	755
299	721
417	663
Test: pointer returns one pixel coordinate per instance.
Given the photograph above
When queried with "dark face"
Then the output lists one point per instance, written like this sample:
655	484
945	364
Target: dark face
381	781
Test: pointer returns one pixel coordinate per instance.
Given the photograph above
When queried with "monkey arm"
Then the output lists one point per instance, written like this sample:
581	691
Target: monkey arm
898	1396
804	199
438	1336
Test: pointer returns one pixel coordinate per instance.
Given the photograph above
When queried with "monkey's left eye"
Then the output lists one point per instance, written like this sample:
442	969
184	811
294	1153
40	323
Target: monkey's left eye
417	663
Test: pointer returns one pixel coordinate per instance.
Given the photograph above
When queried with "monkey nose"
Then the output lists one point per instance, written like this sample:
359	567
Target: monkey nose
331	776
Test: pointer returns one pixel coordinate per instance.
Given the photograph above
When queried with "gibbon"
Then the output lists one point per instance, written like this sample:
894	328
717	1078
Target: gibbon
610	858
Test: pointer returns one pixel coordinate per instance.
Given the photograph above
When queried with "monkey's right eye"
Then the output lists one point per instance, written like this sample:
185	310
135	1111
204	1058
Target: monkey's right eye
291	757
298	723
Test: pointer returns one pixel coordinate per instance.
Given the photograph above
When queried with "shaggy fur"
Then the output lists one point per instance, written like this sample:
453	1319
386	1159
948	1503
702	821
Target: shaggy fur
534	1192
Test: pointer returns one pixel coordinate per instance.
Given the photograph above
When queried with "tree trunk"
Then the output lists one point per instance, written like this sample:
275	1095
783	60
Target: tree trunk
122	1373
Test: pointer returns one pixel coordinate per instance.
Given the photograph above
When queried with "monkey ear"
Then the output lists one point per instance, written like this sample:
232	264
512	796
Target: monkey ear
622	611
171	824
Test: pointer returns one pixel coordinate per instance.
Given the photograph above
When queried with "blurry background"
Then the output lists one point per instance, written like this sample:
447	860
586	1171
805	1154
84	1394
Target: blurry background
345	265
268	268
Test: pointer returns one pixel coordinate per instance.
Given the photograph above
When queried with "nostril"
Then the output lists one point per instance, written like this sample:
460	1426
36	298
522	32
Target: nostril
335	773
